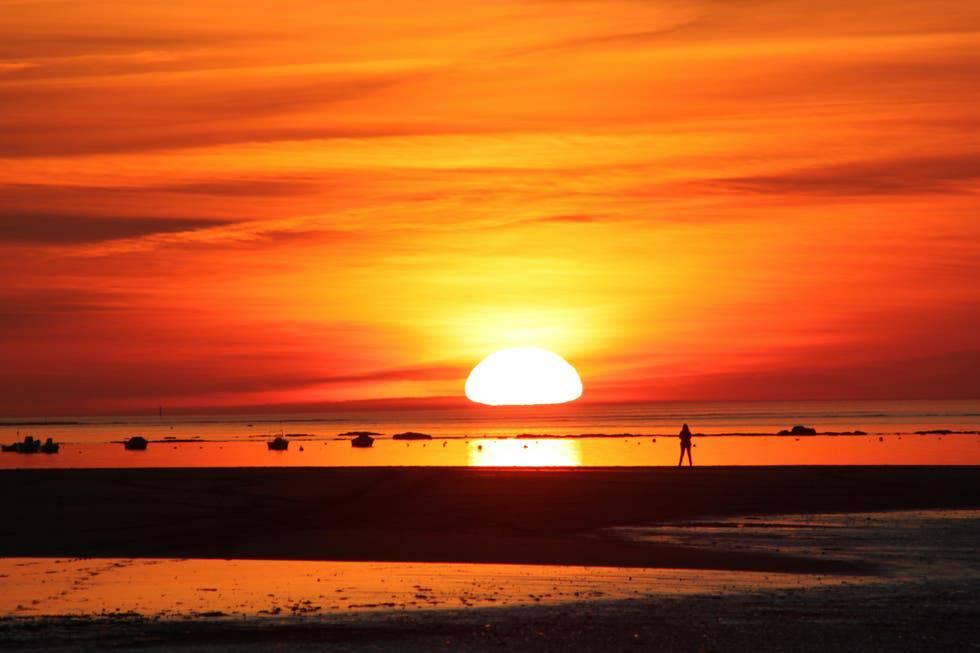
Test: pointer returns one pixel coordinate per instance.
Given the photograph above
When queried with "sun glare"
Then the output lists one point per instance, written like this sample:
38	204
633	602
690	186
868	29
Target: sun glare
525	453
523	376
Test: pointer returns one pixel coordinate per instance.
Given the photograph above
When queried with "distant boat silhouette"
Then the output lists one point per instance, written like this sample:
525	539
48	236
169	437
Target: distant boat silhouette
798	430
30	445
411	435
279	444
362	441
136	443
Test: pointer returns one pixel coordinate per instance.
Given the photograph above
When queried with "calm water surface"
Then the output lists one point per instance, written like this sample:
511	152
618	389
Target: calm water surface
484	436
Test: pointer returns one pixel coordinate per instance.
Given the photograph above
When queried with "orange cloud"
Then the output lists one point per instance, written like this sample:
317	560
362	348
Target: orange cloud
216	205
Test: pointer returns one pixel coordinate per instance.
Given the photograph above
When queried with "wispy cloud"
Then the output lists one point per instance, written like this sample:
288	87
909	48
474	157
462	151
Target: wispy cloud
76	230
227	203
955	173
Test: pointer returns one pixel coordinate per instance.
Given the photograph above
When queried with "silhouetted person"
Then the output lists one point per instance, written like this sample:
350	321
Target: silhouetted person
685	436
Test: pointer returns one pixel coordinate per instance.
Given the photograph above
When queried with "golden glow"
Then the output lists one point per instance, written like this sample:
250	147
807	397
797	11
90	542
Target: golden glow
525	453
86	587
340	202
523	376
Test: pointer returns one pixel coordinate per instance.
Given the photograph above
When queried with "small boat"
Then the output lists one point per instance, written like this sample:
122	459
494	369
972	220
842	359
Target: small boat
50	446
29	445
411	435
362	441
279	444
136	443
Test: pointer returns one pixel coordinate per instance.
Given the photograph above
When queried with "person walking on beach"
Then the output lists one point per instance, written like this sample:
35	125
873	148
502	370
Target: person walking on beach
685	436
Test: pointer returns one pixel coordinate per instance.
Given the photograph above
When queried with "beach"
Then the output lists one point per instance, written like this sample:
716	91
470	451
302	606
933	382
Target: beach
885	616
435	514
370	326
682	559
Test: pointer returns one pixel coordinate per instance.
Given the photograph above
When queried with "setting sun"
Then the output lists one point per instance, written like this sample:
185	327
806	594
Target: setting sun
251	251
523	376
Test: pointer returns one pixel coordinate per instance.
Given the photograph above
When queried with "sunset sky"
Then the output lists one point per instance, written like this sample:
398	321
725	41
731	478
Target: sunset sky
216	205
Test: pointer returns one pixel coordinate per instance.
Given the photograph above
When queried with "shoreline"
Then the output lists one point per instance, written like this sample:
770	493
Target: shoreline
435	437
913	589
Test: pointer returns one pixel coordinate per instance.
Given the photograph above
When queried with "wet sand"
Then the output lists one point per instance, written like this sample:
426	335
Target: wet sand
923	597
677	564
241	589
528	516
841	618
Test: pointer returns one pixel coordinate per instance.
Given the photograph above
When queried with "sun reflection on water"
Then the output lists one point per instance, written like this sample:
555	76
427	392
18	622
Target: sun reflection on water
525	453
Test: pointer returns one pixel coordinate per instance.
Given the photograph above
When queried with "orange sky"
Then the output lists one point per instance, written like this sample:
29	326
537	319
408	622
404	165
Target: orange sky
257	203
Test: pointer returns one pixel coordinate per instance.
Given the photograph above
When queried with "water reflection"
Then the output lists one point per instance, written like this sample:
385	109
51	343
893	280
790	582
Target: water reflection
225	589
512	452
525	453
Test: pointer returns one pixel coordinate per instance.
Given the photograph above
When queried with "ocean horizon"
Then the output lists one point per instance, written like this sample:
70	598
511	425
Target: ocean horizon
572	420
569	435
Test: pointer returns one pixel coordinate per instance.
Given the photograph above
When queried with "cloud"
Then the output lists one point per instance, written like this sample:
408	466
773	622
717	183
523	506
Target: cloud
225	235
26	313
162	114
558	220
900	176
134	355
73	230
61	214
571	218
206	198
940	376
613	39
55	300
74	44
239	187
426	373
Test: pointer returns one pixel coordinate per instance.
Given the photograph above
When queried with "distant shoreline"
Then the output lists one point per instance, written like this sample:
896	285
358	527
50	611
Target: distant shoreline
521	436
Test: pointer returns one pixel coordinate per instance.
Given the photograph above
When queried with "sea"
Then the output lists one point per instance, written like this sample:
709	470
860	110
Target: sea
576	434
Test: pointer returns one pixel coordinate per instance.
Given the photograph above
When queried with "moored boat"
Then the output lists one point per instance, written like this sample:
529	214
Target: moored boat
279	444
29	445
362	441
136	443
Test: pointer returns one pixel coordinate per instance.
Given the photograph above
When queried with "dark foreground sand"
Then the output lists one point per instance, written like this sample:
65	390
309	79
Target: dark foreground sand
547	516
482	515
862	618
